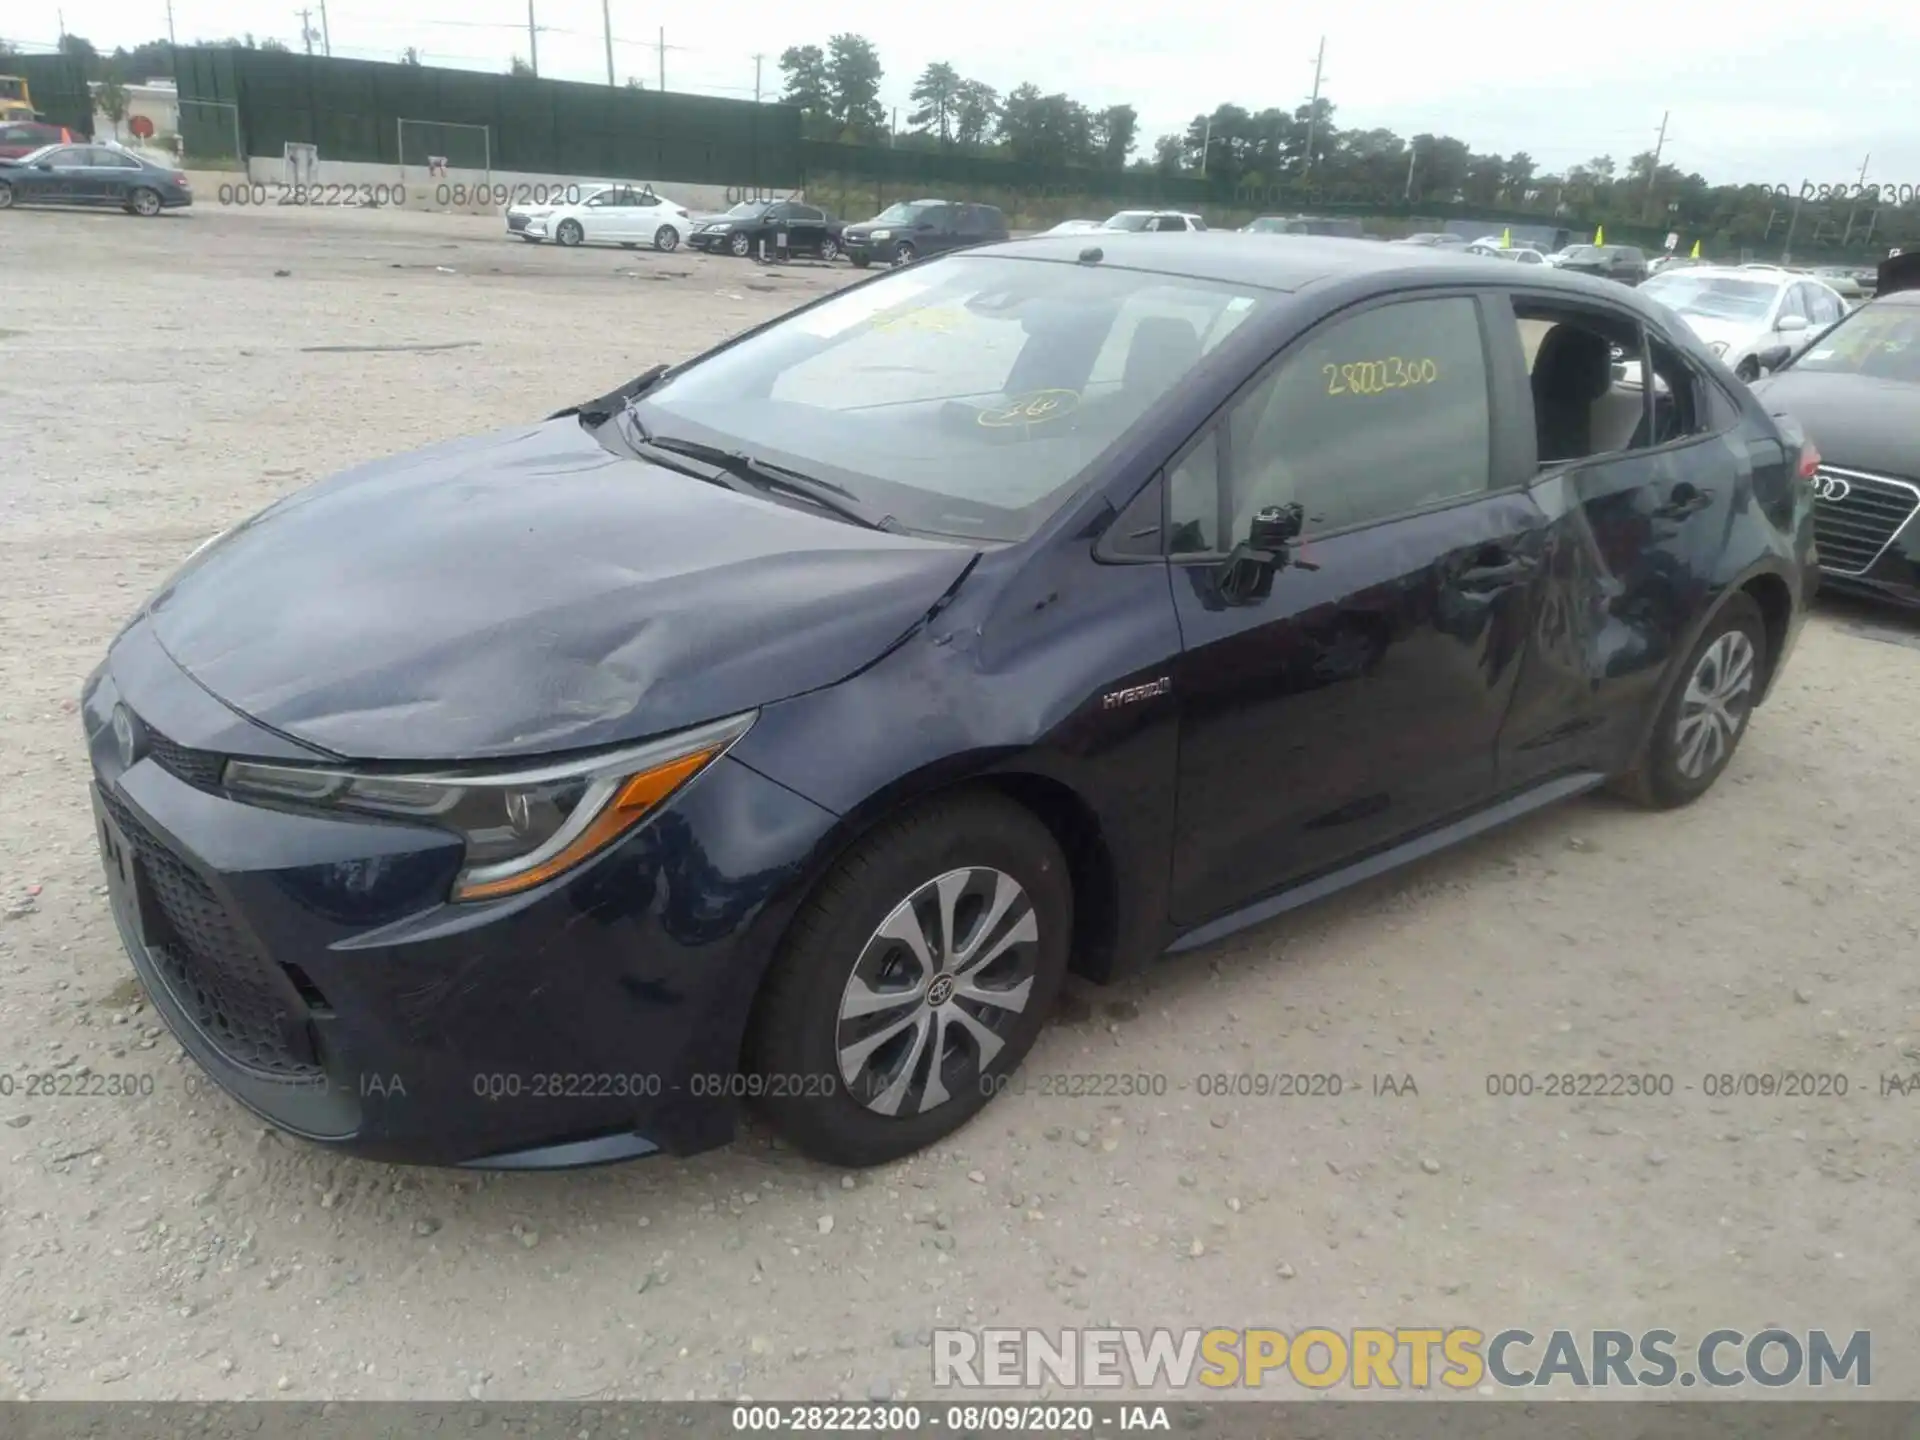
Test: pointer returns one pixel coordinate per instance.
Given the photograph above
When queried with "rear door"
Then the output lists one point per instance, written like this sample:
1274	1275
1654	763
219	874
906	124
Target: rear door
1637	520
116	176
1360	699
806	228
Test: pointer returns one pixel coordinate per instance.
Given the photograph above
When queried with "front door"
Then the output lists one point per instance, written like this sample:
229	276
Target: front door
1360	698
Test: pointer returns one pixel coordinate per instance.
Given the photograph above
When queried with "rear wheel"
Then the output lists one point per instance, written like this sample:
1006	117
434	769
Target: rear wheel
666	238
569	233
144	202
1701	724
6	195
829	249
915	979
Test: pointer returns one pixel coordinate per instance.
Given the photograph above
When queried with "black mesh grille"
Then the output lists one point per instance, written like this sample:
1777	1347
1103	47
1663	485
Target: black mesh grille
232	992
1852	530
200	768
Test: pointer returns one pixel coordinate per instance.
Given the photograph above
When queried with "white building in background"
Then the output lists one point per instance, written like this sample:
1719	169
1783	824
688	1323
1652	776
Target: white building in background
158	101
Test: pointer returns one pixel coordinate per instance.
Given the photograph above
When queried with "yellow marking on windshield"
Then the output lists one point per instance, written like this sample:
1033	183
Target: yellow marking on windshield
1033	409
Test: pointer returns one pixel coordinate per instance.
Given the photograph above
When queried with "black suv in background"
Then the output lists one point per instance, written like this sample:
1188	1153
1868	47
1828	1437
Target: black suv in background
904	232
1625	263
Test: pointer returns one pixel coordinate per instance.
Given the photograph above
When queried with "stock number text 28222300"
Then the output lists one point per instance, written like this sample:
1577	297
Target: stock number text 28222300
1378	377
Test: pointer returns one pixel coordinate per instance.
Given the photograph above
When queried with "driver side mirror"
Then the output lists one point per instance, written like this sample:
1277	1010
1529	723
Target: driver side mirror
1773	357
1246	575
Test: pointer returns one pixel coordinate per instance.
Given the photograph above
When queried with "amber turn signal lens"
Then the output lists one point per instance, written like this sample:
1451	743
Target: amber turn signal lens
636	798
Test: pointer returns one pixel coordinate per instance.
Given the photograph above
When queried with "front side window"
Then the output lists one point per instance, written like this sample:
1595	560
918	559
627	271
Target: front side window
67	157
1374	416
967	397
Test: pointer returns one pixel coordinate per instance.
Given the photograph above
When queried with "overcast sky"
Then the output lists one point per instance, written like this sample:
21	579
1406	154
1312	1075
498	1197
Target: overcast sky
1757	92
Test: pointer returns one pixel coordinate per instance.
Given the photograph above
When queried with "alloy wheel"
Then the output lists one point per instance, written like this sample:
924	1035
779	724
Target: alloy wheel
666	238
569	233
935	991
740	244
1714	705
829	249
145	202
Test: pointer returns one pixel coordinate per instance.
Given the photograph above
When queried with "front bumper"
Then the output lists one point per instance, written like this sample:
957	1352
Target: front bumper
516	223
313	968
710	241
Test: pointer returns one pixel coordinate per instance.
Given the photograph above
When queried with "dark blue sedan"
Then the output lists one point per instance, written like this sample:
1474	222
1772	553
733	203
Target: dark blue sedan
93	175
784	727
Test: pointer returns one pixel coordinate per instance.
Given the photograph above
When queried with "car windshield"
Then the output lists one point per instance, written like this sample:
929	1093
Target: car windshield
1712	297
901	214
1129	220
748	208
966	397
1268	225
1881	342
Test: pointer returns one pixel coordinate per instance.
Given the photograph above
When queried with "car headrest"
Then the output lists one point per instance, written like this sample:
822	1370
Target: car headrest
1573	364
1164	348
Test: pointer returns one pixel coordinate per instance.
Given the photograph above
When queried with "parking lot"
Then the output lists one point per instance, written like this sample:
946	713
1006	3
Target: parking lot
161	379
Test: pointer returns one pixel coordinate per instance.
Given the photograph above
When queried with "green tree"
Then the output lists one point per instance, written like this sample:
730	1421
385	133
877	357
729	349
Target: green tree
634	82
518	66
1520	175
111	99
976	114
805	69
1114	131
1170	154
937	94
272	44
853	87
410	56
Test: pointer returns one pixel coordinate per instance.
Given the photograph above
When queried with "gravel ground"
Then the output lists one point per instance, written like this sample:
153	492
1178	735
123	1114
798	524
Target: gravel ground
160	380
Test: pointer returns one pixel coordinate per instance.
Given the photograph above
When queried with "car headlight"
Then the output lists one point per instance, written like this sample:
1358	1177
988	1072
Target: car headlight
1719	347
521	827
723	225
880	235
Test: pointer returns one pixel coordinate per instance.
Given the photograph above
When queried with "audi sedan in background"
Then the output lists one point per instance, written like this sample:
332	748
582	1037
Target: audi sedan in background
728	736
93	175
627	215
1856	390
1741	312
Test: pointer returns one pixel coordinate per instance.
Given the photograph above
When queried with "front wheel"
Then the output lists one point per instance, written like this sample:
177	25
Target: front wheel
903	253
1701	724
666	238
913	982
144	202
570	233
741	244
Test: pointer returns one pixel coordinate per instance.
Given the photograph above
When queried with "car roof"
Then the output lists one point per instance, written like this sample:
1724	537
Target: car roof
1230	257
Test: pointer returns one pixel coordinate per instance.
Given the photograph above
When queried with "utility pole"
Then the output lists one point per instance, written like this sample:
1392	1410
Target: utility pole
1653	170
326	32
1206	147
533	41
606	28
1858	190
1412	150
663	59
1313	105
170	39
306	29
756	78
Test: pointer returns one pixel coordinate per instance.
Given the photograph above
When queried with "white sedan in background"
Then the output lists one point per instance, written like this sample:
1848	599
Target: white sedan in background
519	215
629	215
1742	312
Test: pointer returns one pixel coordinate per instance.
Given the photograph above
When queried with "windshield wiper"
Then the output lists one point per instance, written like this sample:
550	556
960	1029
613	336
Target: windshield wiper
765	475
600	410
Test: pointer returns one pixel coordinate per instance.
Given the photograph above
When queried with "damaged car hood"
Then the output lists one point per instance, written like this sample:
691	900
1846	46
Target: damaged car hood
528	591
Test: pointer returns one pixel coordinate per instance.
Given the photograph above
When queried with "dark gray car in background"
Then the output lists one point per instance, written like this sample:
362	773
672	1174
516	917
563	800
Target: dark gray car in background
913	229
92	174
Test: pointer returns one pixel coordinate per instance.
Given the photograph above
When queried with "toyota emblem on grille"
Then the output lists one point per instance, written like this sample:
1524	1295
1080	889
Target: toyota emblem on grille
1831	487
127	735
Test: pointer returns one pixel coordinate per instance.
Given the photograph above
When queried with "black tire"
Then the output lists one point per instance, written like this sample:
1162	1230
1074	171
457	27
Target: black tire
6	196
829	249
740	243
859	262
666	239
569	233
1667	775
796	1030
903	253
144	202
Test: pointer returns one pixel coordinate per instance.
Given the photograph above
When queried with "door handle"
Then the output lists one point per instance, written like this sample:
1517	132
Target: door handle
1494	571
1683	500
